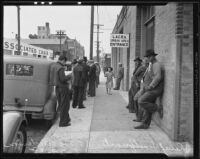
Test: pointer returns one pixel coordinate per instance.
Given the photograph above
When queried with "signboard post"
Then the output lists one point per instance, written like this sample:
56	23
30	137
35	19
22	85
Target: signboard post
119	40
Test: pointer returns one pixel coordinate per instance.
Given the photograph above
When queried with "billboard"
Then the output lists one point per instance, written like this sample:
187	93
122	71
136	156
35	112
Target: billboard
119	40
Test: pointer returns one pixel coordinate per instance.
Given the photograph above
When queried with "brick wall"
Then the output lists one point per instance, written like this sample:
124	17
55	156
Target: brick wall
173	43
186	82
165	46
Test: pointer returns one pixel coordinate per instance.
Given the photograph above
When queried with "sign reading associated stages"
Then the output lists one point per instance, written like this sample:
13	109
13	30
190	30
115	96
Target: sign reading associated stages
119	40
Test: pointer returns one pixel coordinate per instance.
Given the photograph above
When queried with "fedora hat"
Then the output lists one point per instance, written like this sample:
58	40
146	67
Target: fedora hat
137	59
150	52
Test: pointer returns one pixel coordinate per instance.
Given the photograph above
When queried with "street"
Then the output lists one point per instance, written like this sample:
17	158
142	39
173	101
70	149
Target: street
36	130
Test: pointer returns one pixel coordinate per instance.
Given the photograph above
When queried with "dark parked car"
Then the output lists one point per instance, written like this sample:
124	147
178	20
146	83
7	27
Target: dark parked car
14	132
27	88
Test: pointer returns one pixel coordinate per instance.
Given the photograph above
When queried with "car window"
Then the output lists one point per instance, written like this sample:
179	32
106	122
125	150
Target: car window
19	70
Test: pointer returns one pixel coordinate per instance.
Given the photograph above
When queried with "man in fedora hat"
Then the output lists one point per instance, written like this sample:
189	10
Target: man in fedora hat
120	76
135	83
153	83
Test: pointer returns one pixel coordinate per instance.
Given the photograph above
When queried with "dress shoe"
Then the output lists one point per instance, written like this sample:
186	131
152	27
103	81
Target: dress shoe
81	107
73	106
115	89
64	125
143	126
127	106
137	120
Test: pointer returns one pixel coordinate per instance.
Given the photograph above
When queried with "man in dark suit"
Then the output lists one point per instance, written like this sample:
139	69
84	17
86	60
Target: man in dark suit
78	85
153	87
134	84
86	69
139	111
120	76
62	91
92	79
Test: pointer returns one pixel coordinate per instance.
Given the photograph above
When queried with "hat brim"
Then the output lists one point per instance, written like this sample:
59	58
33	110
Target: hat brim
137	60
151	55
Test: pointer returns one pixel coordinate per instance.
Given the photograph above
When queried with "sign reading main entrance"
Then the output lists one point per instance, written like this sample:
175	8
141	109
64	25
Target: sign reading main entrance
119	40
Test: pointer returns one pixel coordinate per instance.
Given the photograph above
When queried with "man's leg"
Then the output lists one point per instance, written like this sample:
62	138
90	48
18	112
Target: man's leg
80	97
117	87
65	105
85	91
75	97
129	98
147	102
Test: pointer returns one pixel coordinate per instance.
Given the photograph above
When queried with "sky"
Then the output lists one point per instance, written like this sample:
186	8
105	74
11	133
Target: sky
75	20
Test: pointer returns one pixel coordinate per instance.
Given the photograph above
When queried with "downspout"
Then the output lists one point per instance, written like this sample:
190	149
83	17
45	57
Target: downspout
179	34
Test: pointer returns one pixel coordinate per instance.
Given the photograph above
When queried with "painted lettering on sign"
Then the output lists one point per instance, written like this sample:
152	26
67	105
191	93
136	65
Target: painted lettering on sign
119	40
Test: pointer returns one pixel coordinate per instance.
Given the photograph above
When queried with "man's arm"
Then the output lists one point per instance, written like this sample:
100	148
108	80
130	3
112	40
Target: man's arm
157	75
62	76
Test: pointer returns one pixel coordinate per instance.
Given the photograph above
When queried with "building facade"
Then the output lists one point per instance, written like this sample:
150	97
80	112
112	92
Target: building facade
168	29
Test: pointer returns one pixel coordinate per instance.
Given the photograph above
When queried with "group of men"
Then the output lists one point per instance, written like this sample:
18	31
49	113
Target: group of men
84	73
147	84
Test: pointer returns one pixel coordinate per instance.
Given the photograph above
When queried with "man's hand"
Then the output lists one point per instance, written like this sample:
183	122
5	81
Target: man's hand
148	88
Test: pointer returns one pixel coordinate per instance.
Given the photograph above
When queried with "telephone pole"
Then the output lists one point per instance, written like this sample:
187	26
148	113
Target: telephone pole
60	34
98	25
18	37
91	32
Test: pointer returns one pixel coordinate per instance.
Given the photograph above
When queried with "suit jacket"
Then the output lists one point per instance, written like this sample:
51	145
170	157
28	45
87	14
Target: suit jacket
155	77
120	73
92	73
138	74
86	70
78	76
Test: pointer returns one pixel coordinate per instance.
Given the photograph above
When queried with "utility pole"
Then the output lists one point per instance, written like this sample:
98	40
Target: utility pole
98	34
18	37
60	34
91	32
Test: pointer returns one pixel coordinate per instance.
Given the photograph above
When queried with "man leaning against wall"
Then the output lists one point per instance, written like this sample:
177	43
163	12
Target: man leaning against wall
153	87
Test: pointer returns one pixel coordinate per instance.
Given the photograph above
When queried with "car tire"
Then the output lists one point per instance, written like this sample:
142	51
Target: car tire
21	139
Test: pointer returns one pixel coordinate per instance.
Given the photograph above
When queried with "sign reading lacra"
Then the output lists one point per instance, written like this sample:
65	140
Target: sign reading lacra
119	40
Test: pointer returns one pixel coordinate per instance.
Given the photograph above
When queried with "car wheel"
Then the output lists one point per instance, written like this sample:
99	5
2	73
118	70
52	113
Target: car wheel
19	144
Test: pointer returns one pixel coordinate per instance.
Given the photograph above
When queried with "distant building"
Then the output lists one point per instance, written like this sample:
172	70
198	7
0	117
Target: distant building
71	48
44	31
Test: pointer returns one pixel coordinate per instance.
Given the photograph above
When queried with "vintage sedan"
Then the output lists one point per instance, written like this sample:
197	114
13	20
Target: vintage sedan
14	132
27	88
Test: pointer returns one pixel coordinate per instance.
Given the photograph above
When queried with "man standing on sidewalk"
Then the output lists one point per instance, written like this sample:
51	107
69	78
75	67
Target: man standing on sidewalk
153	87
78	83
134	85
86	69
62	92
92	79
120	76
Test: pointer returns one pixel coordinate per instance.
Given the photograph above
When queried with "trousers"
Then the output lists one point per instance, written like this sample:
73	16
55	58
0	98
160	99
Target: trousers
78	92
118	82
147	103
63	97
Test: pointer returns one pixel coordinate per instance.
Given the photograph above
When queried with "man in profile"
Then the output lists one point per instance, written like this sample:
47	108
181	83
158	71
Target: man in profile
62	91
92	79
135	80
120	76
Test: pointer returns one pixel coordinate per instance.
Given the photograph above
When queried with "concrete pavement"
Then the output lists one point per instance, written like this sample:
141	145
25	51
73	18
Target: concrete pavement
106	126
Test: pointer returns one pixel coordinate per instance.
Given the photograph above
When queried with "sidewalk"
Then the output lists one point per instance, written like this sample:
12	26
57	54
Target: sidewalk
106	126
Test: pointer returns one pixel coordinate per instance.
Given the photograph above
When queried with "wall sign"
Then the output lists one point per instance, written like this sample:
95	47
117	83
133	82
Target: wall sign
119	40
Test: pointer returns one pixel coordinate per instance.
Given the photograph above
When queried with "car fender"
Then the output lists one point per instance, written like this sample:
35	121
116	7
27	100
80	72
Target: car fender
12	121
